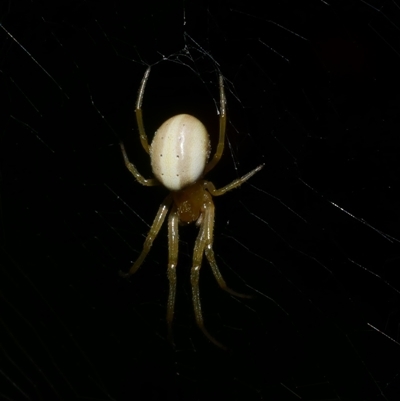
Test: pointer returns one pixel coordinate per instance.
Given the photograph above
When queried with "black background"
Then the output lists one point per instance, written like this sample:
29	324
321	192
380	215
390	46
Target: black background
313	92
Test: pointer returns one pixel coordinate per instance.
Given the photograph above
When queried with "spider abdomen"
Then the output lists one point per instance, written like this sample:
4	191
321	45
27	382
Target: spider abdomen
179	151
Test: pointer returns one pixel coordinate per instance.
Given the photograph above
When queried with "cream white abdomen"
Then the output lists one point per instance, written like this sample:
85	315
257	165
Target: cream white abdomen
179	151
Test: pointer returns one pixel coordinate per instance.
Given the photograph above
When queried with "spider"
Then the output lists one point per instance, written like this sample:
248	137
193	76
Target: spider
179	156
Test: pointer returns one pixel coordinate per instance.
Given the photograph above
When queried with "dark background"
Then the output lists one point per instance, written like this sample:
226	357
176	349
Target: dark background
313	92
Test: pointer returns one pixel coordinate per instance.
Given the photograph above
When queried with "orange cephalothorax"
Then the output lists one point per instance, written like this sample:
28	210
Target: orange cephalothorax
190	202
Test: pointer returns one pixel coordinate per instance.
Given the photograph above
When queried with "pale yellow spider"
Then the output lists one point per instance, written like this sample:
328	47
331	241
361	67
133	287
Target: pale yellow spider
179	156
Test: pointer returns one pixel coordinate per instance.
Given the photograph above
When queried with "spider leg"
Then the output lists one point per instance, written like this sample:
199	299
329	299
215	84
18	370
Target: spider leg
194	279
173	240
138	111
155	228
130	166
222	126
234	184
209	229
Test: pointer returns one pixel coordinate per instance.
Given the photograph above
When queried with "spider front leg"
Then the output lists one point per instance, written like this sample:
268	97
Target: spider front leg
203	244
173	240
209	238
194	279
154	230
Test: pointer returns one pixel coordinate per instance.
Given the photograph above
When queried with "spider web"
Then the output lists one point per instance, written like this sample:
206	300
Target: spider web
312	91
